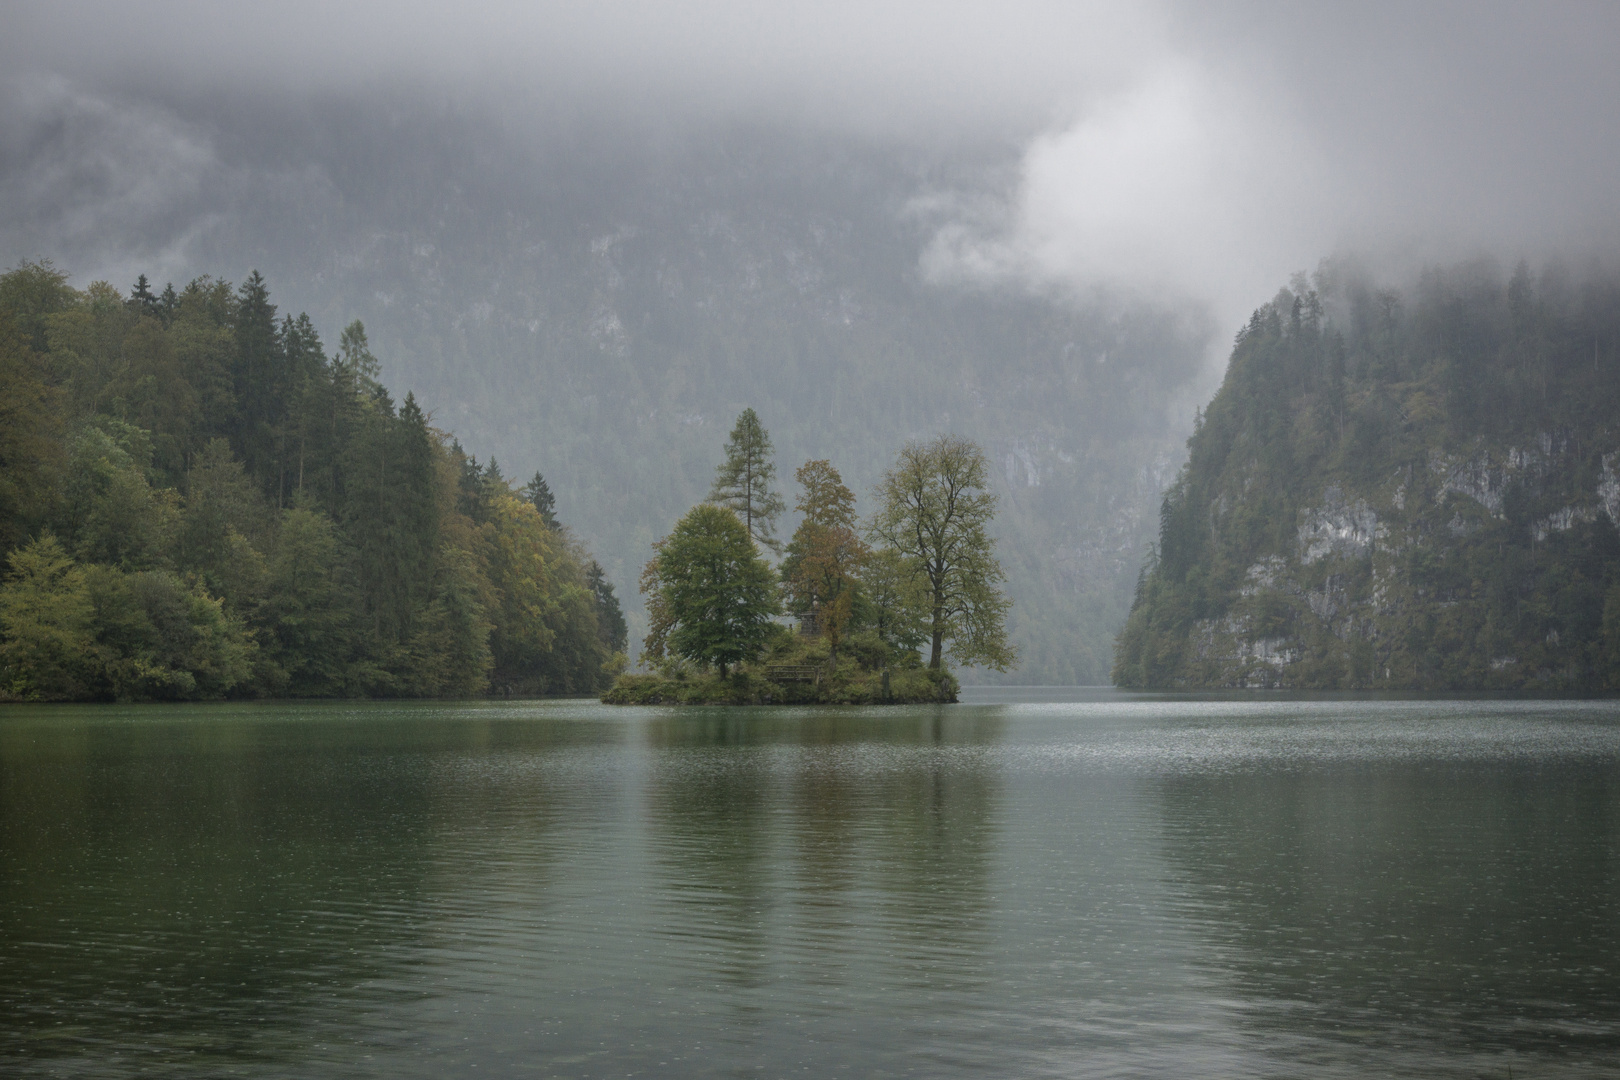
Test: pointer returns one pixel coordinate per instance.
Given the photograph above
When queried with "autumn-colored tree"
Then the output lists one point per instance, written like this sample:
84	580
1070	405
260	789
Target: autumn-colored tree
825	556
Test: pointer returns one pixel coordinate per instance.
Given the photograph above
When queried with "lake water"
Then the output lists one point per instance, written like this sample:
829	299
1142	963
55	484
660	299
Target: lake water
1062	883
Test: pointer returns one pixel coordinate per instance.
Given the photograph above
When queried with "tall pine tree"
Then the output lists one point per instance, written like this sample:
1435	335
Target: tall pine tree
742	483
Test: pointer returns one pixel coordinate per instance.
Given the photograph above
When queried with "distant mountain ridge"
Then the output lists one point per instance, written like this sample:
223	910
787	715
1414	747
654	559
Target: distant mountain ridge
600	303
1413	490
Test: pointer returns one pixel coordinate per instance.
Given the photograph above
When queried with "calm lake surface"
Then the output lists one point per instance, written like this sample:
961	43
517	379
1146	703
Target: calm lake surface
1060	883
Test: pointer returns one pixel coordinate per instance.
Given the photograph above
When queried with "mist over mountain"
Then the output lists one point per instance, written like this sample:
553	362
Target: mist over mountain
601	306
586	238
1409	488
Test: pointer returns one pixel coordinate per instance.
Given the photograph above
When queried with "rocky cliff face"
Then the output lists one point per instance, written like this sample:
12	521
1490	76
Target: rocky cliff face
1386	509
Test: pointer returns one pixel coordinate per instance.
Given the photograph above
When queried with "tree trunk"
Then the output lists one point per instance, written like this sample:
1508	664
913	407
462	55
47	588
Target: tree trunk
933	657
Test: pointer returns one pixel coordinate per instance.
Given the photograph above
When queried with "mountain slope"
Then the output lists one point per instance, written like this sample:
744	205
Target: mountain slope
1413	490
599	301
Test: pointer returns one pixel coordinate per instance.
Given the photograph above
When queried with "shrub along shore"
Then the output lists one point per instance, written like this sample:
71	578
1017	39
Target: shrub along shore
795	670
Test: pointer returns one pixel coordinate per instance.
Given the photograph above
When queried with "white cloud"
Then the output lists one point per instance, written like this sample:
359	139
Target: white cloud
1174	148
1169	187
1246	148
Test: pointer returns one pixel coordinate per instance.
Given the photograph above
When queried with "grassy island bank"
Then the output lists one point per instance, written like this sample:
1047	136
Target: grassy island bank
924	575
796	671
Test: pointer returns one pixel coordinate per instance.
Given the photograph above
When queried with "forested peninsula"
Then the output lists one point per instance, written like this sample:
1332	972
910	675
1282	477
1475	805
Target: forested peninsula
197	500
1413	490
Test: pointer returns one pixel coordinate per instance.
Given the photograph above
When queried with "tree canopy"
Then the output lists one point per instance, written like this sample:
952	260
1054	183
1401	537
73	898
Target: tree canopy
934	513
821	569
719	594
931	577
196	500
1408	489
743	481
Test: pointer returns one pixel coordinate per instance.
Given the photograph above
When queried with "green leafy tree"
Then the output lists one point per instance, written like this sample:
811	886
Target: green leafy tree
935	514
655	645
31	455
158	638
355	360
390	517
523	562
240	513
308	612
895	600
33	292
224	525
115	514
141	299
718	592
46	633
742	483
308	374
450	652
258	382
151	391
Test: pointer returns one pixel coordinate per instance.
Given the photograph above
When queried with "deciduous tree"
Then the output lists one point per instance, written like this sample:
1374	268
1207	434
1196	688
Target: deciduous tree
935	514
719	594
46	618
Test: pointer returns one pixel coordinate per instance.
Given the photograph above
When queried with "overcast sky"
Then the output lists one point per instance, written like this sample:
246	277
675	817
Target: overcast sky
1192	149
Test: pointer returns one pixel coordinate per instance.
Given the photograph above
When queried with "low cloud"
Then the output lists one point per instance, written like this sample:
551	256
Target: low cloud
1167	188
82	173
1258	143
1173	149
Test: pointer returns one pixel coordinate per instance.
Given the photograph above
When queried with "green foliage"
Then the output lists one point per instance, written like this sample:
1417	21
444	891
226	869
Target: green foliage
47	618
30	435
74	632
895	599
114	514
935	516
239	514
308	618
743	480
610	622
31	294
869	673
719	593
157	638
1417	492
538	492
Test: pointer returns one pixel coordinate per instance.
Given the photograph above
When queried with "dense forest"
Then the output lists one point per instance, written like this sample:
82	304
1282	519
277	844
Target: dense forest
198	500
603	297
1413	489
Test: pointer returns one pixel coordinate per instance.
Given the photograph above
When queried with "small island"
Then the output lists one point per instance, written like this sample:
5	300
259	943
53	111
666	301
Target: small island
864	598
796	670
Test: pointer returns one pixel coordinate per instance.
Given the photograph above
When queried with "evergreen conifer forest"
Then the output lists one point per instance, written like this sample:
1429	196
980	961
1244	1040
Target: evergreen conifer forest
199	500
1409	489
